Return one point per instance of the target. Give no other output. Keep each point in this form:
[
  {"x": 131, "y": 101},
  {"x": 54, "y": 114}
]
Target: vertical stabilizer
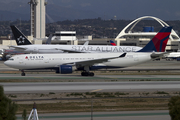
[
  {"x": 113, "y": 43},
  {"x": 19, "y": 36},
  {"x": 159, "y": 41}
]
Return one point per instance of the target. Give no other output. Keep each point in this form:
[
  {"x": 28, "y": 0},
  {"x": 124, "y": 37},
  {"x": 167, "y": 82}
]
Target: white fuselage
[
  {"x": 44, "y": 61},
  {"x": 78, "y": 48}
]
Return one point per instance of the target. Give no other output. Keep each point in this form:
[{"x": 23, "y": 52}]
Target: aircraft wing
[
  {"x": 17, "y": 47},
  {"x": 94, "y": 61}
]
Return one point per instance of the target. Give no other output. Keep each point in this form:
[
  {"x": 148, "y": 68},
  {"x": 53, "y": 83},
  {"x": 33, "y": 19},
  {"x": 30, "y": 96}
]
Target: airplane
[
  {"x": 68, "y": 62},
  {"x": 6, "y": 52},
  {"x": 24, "y": 45}
]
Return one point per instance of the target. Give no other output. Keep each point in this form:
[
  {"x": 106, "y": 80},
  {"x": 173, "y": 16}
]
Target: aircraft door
[{"x": 21, "y": 60}]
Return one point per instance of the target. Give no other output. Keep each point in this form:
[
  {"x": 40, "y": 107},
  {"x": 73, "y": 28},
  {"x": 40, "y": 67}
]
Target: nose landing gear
[{"x": 23, "y": 73}]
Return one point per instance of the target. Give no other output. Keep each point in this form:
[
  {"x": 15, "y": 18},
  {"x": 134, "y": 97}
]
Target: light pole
[{"x": 91, "y": 109}]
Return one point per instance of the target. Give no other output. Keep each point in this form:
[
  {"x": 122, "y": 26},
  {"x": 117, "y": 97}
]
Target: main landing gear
[
  {"x": 87, "y": 74},
  {"x": 23, "y": 73}
]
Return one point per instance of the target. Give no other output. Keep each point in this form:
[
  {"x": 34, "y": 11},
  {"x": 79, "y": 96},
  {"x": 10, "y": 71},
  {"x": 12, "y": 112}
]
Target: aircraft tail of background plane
[
  {"x": 159, "y": 41},
  {"x": 112, "y": 43},
  {"x": 49, "y": 39},
  {"x": 19, "y": 36}
]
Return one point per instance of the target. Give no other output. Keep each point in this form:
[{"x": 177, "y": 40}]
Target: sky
[
  {"x": 106, "y": 9},
  {"x": 126, "y": 9}
]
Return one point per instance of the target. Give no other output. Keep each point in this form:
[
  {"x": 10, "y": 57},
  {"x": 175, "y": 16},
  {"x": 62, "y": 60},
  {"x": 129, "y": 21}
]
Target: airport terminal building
[{"x": 127, "y": 37}]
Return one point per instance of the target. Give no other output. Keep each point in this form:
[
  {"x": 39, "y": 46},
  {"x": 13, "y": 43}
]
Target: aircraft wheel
[
  {"x": 91, "y": 74},
  {"x": 82, "y": 74},
  {"x": 86, "y": 73},
  {"x": 23, "y": 74}
]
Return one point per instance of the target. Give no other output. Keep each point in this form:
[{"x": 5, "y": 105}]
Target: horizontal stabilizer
[
  {"x": 155, "y": 55},
  {"x": 18, "y": 48}
]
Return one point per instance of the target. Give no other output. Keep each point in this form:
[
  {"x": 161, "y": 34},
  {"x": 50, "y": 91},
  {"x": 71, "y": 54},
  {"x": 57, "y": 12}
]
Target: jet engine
[{"x": 65, "y": 69}]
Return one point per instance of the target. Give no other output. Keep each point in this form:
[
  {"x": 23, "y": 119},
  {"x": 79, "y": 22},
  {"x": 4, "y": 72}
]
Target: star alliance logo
[{"x": 21, "y": 40}]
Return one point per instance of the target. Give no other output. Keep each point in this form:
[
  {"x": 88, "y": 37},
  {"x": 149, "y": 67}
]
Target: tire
[
  {"x": 23, "y": 74},
  {"x": 82, "y": 74},
  {"x": 86, "y": 73},
  {"x": 91, "y": 74}
]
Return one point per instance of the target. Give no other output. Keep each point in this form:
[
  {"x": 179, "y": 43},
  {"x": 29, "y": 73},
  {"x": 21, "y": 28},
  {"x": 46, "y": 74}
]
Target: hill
[{"x": 98, "y": 28}]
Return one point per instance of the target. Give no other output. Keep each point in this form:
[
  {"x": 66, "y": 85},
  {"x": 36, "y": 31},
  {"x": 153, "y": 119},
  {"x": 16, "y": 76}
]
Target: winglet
[
  {"x": 19, "y": 36},
  {"x": 159, "y": 41},
  {"x": 123, "y": 55}
]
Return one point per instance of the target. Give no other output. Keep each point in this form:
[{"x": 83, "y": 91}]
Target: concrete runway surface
[
  {"x": 80, "y": 83},
  {"x": 45, "y": 87},
  {"x": 162, "y": 82}
]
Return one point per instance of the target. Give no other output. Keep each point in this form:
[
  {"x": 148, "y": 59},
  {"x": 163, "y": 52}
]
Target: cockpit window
[{"x": 11, "y": 59}]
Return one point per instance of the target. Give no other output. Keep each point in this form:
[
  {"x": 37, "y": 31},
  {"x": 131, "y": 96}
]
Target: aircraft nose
[{"x": 7, "y": 63}]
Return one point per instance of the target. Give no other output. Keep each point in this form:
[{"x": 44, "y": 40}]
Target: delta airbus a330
[
  {"x": 24, "y": 45},
  {"x": 68, "y": 62}
]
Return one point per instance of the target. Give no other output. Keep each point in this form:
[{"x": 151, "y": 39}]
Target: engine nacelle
[{"x": 65, "y": 69}]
